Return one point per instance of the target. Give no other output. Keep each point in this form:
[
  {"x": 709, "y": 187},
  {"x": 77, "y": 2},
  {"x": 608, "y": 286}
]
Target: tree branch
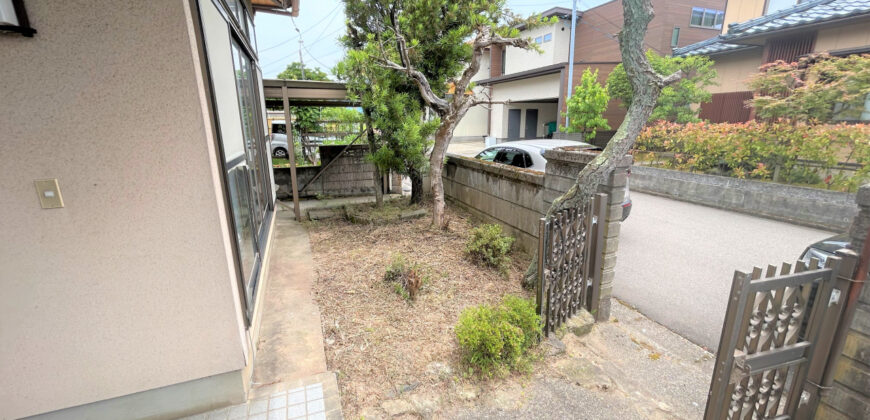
[
  {"x": 669, "y": 80},
  {"x": 484, "y": 39}
]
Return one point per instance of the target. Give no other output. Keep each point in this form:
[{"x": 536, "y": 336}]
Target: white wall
[
  {"x": 544, "y": 87},
  {"x": 128, "y": 287},
  {"x": 541, "y": 87},
  {"x": 554, "y": 51},
  {"x": 546, "y": 112},
  {"x": 562, "y": 41},
  {"x": 845, "y": 36},
  {"x": 484, "y": 71}
]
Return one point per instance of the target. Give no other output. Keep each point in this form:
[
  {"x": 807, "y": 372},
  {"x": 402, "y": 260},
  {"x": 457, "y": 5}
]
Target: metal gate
[
  {"x": 776, "y": 340},
  {"x": 568, "y": 255}
]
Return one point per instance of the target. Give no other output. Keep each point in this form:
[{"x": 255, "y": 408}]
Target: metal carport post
[{"x": 302, "y": 93}]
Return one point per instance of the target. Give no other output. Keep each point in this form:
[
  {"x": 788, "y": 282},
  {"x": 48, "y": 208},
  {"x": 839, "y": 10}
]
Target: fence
[
  {"x": 776, "y": 339},
  {"x": 568, "y": 257},
  {"x": 814, "y": 207},
  {"x": 517, "y": 198}
]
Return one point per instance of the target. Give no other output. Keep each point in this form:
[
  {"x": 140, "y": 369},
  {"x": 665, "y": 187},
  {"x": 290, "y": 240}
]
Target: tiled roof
[
  {"x": 709, "y": 47},
  {"x": 810, "y": 12}
]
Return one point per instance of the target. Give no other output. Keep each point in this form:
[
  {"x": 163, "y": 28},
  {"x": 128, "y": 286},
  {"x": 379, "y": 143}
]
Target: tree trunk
[
  {"x": 373, "y": 147},
  {"x": 436, "y": 164},
  {"x": 647, "y": 85},
  {"x": 416, "y": 186}
]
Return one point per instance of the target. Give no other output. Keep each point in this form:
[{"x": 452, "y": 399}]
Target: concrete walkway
[
  {"x": 466, "y": 148},
  {"x": 290, "y": 380},
  {"x": 290, "y": 346}
]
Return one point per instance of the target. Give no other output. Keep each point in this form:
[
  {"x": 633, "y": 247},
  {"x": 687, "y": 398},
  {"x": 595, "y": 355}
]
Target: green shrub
[
  {"x": 762, "y": 150},
  {"x": 488, "y": 246},
  {"x": 407, "y": 278},
  {"x": 494, "y": 340},
  {"x": 522, "y": 313}
]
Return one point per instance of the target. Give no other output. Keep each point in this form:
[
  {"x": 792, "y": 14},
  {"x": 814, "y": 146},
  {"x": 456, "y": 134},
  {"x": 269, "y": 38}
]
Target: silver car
[
  {"x": 528, "y": 154},
  {"x": 280, "y": 148}
]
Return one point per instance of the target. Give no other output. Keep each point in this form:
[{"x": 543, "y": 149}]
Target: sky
[{"x": 321, "y": 23}]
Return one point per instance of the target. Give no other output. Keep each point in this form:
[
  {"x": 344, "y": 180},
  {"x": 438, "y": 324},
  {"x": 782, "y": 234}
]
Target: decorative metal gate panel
[
  {"x": 772, "y": 339},
  {"x": 568, "y": 256}
]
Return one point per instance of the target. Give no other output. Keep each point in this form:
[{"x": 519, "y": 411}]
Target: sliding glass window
[{"x": 237, "y": 101}]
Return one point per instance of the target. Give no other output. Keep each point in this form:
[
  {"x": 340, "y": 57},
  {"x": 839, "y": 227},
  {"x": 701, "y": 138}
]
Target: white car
[
  {"x": 528, "y": 154},
  {"x": 279, "y": 140}
]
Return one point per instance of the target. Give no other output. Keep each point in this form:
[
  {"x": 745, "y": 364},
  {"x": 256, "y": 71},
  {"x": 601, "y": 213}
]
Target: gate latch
[{"x": 835, "y": 297}]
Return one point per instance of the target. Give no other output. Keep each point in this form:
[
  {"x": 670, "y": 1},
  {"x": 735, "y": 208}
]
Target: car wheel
[{"x": 280, "y": 153}]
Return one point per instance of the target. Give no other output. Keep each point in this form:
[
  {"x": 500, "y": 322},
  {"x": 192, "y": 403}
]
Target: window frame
[
  {"x": 704, "y": 13},
  {"x": 236, "y": 28},
  {"x": 548, "y": 37},
  {"x": 248, "y": 290},
  {"x": 503, "y": 59}
]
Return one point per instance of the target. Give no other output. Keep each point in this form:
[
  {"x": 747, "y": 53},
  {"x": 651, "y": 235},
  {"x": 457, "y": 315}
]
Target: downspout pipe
[{"x": 571, "y": 55}]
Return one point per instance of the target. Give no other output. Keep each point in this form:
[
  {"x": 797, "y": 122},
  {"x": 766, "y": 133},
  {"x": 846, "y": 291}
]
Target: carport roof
[{"x": 307, "y": 92}]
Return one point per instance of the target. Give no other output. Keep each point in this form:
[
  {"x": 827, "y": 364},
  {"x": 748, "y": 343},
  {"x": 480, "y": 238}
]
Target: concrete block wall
[
  {"x": 813, "y": 207},
  {"x": 563, "y": 166},
  {"x": 518, "y": 198},
  {"x": 849, "y": 397},
  {"x": 500, "y": 194},
  {"x": 350, "y": 175}
]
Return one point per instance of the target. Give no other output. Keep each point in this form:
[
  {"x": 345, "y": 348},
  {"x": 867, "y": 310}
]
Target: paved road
[{"x": 676, "y": 260}]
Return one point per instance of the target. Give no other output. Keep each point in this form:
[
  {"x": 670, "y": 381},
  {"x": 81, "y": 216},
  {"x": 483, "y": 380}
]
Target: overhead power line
[{"x": 331, "y": 13}]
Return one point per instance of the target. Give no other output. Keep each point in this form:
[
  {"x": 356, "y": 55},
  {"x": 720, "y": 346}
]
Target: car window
[
  {"x": 487, "y": 155},
  {"x": 513, "y": 157},
  {"x": 528, "y": 160},
  {"x": 279, "y": 129}
]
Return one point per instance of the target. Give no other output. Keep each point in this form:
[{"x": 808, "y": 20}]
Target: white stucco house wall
[
  {"x": 530, "y": 80},
  {"x": 138, "y": 297}
]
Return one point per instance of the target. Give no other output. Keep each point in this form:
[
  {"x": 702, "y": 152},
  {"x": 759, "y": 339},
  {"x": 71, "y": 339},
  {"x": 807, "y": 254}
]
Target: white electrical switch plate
[{"x": 49, "y": 193}]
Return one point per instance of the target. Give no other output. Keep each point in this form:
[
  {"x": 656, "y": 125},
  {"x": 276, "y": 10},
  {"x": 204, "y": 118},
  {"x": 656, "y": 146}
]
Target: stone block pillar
[
  {"x": 849, "y": 395},
  {"x": 562, "y": 169},
  {"x": 395, "y": 183}
]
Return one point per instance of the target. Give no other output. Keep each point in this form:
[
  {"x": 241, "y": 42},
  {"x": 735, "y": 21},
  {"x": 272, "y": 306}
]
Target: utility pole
[
  {"x": 571, "y": 54},
  {"x": 301, "y": 63},
  {"x": 299, "y": 33}
]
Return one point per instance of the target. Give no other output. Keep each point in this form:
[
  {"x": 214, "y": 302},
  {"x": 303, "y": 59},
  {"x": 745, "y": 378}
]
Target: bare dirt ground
[
  {"x": 400, "y": 360},
  {"x": 380, "y": 345}
]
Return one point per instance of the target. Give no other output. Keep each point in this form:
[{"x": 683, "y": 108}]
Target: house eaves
[
  {"x": 712, "y": 46},
  {"x": 278, "y": 7},
  {"x": 528, "y": 74},
  {"x": 563, "y": 13}
]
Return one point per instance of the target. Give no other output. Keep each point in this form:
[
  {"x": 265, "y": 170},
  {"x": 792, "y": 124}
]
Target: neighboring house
[
  {"x": 138, "y": 297},
  {"x": 775, "y": 30},
  {"x": 537, "y": 84}
]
